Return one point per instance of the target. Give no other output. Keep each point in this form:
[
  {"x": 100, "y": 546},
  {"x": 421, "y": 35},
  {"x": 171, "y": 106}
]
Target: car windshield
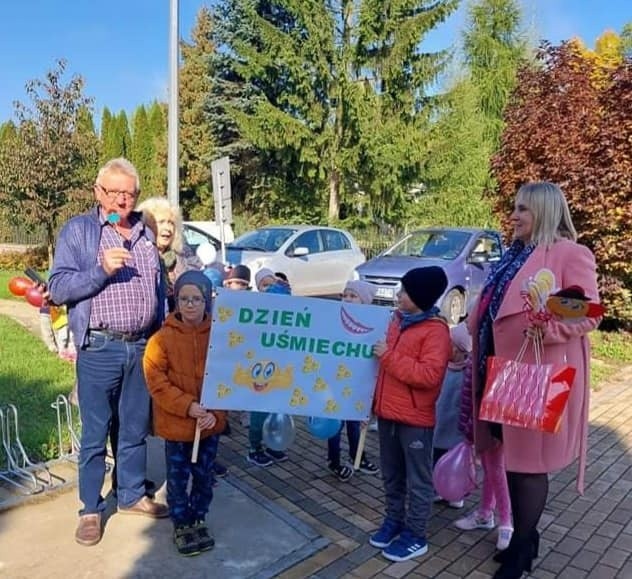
[
  {"x": 432, "y": 244},
  {"x": 266, "y": 239}
]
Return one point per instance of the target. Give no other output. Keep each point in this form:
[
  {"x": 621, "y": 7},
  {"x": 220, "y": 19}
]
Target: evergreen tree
[
  {"x": 156, "y": 182},
  {"x": 332, "y": 96},
  {"x": 494, "y": 47},
  {"x": 110, "y": 145},
  {"x": 123, "y": 134},
  {"x": 196, "y": 142},
  {"x": 143, "y": 149},
  {"x": 458, "y": 164}
]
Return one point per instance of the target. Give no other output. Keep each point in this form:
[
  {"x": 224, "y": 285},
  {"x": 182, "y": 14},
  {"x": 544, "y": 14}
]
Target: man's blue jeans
[{"x": 111, "y": 383}]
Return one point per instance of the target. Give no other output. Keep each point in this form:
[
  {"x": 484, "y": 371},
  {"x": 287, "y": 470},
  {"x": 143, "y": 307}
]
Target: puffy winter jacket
[
  {"x": 412, "y": 371},
  {"x": 174, "y": 363}
]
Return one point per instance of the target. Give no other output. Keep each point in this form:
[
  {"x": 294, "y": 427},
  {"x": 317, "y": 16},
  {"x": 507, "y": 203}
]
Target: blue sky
[{"x": 121, "y": 48}]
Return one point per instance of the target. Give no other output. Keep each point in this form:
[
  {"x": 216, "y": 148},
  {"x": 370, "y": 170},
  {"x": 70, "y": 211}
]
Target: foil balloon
[
  {"x": 278, "y": 431},
  {"x": 19, "y": 285},
  {"x": 454, "y": 475},
  {"x": 323, "y": 428}
]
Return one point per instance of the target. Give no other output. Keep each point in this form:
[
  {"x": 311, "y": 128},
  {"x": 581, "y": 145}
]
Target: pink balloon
[
  {"x": 34, "y": 297},
  {"x": 454, "y": 475}
]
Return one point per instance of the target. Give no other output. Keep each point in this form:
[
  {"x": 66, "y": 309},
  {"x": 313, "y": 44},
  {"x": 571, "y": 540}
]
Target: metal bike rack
[
  {"x": 65, "y": 422},
  {"x": 14, "y": 471}
]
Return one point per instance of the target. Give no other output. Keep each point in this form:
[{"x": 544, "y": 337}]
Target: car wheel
[{"x": 452, "y": 306}]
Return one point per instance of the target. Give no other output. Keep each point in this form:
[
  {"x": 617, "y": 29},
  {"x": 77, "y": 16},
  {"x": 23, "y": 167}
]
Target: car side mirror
[
  {"x": 478, "y": 258},
  {"x": 300, "y": 252}
]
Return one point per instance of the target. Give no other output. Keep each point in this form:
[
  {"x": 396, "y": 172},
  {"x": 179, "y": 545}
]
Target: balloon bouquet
[{"x": 29, "y": 290}]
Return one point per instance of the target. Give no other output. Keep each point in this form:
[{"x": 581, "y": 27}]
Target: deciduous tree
[
  {"x": 42, "y": 166},
  {"x": 563, "y": 127}
]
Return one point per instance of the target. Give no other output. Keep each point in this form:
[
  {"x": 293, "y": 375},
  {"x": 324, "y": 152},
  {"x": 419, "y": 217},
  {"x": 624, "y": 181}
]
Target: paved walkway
[{"x": 589, "y": 536}]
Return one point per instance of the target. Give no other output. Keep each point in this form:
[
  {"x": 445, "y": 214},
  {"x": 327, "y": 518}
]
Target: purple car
[{"x": 465, "y": 254}]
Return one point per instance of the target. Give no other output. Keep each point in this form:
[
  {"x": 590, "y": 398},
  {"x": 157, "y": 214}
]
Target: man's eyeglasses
[
  {"x": 193, "y": 301},
  {"x": 114, "y": 195}
]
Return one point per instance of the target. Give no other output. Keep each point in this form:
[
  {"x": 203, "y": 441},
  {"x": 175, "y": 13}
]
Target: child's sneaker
[
  {"x": 185, "y": 539},
  {"x": 259, "y": 458},
  {"x": 344, "y": 473},
  {"x": 475, "y": 521},
  {"x": 456, "y": 504},
  {"x": 204, "y": 539},
  {"x": 406, "y": 547},
  {"x": 276, "y": 455},
  {"x": 504, "y": 537},
  {"x": 366, "y": 466},
  {"x": 219, "y": 470},
  {"x": 373, "y": 425},
  {"x": 386, "y": 534}
]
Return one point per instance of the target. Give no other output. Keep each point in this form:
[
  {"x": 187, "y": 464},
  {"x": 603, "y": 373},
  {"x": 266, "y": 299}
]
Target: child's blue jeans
[
  {"x": 353, "y": 435},
  {"x": 186, "y": 508}
]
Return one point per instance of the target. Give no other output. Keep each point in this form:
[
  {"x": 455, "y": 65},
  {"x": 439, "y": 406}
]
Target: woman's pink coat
[{"x": 564, "y": 344}]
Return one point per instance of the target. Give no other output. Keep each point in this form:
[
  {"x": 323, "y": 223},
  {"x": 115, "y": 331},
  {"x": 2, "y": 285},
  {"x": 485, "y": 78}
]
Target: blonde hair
[
  {"x": 551, "y": 216},
  {"x": 156, "y": 207},
  {"x": 120, "y": 166}
]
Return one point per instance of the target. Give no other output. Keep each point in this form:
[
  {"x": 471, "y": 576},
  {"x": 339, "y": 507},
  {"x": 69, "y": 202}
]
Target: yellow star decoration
[
  {"x": 359, "y": 406},
  {"x": 310, "y": 364},
  {"x": 320, "y": 385},
  {"x": 298, "y": 398},
  {"x": 346, "y": 391},
  {"x": 224, "y": 314},
  {"x": 223, "y": 390},
  {"x": 234, "y": 339},
  {"x": 250, "y": 354},
  {"x": 343, "y": 372},
  {"x": 331, "y": 407}
]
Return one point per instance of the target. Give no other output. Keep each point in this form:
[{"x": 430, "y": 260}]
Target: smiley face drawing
[{"x": 264, "y": 376}]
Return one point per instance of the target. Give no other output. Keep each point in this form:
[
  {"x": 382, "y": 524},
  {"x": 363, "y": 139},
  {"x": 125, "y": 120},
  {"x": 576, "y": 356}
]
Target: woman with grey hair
[{"x": 166, "y": 222}]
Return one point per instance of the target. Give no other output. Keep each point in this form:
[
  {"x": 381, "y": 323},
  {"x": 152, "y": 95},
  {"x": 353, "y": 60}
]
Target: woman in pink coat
[{"x": 544, "y": 238}]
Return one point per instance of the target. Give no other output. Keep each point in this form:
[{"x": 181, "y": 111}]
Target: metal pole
[{"x": 173, "y": 185}]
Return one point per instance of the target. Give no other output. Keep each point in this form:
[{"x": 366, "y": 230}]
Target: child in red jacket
[{"x": 413, "y": 362}]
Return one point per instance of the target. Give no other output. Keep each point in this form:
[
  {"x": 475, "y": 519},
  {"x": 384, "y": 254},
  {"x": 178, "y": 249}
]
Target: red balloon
[
  {"x": 19, "y": 285},
  {"x": 34, "y": 297}
]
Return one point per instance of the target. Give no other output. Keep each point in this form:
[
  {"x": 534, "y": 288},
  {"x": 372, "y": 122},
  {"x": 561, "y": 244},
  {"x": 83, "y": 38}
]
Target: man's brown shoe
[
  {"x": 89, "y": 530},
  {"x": 147, "y": 508}
]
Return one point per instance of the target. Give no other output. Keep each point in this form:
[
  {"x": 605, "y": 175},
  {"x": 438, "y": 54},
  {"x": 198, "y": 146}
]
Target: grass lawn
[{"x": 31, "y": 377}]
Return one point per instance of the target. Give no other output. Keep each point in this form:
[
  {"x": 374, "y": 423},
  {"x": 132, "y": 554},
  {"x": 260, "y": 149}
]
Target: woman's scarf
[
  {"x": 406, "y": 319},
  {"x": 492, "y": 297}
]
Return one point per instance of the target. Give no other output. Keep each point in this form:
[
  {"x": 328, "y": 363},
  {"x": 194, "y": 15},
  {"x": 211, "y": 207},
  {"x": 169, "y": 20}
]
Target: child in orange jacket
[
  {"x": 413, "y": 362},
  {"x": 174, "y": 363}
]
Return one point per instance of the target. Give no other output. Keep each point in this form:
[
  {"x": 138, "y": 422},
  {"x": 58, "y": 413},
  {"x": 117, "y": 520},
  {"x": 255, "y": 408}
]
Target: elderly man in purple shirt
[{"x": 107, "y": 271}]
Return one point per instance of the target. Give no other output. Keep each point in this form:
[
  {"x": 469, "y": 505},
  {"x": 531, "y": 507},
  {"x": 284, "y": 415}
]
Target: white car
[{"x": 317, "y": 260}]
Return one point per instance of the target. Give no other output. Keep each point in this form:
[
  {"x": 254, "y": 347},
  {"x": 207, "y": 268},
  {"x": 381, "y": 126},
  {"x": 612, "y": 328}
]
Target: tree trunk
[
  {"x": 50, "y": 243},
  {"x": 334, "y": 196}
]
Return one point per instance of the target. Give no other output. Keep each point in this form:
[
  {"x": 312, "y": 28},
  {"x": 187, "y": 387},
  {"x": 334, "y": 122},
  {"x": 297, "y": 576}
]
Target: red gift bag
[{"x": 525, "y": 395}]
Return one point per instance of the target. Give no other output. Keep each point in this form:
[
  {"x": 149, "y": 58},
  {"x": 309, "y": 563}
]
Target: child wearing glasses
[{"x": 174, "y": 364}]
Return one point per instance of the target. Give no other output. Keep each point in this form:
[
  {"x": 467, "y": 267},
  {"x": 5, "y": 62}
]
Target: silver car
[{"x": 318, "y": 261}]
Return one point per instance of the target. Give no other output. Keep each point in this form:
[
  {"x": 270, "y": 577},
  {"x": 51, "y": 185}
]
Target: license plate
[{"x": 385, "y": 292}]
